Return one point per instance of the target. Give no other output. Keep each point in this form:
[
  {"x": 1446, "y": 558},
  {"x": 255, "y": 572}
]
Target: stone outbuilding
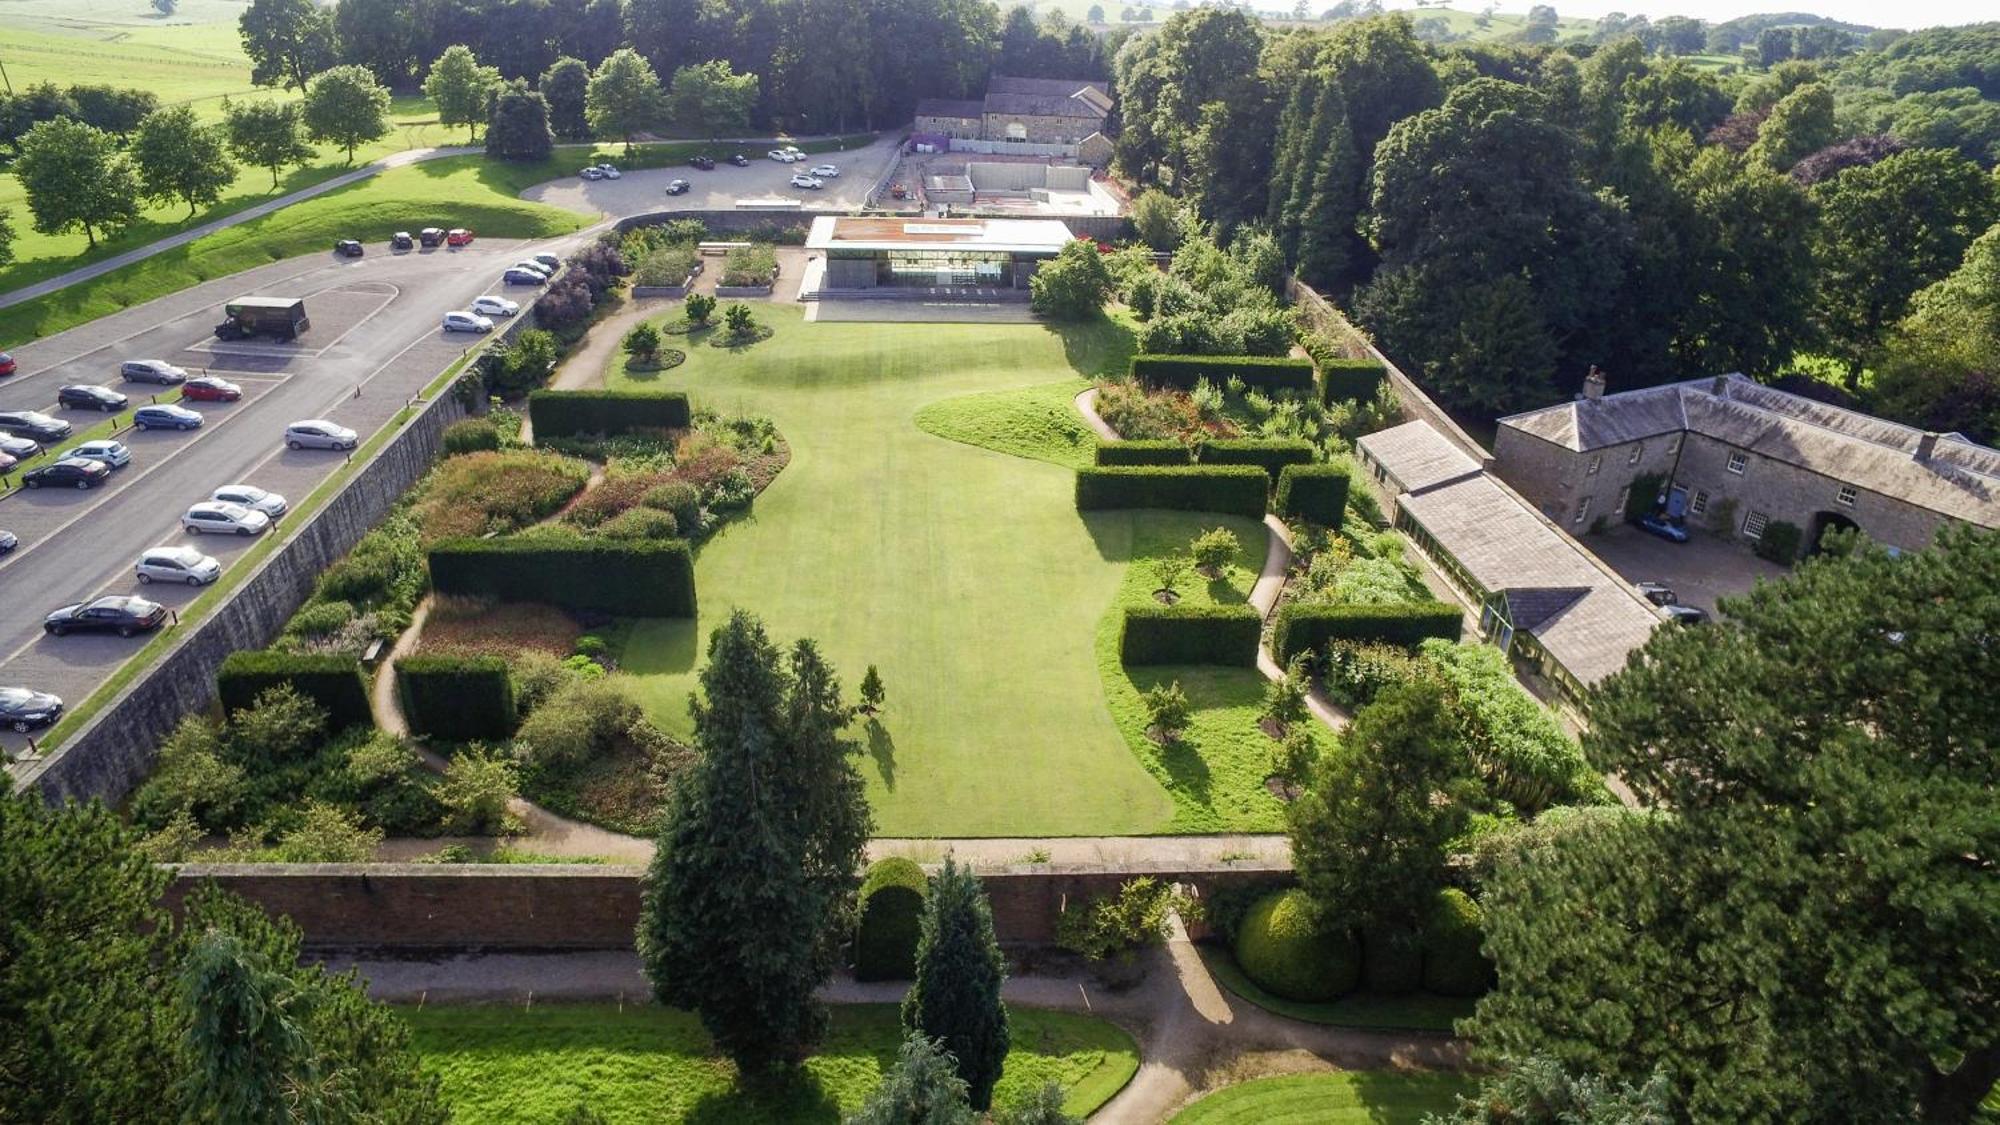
[{"x": 1043, "y": 111}]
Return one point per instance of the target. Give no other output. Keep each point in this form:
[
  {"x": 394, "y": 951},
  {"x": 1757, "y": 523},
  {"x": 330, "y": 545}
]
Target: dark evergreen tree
[
  {"x": 518, "y": 128},
  {"x": 564, "y": 86},
  {"x": 956, "y": 997}
]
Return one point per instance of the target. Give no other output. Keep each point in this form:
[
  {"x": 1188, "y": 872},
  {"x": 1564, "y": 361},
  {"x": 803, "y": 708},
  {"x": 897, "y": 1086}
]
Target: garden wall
[{"x": 518, "y": 906}]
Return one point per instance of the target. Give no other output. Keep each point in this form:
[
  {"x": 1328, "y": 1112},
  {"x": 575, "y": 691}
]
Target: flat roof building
[{"x": 866, "y": 253}]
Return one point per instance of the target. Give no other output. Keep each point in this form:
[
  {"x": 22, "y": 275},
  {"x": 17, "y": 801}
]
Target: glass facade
[{"x": 927, "y": 268}]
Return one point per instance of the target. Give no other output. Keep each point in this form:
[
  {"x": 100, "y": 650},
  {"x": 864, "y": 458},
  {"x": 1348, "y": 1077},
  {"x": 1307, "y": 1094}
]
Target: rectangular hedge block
[
  {"x": 1308, "y": 628},
  {"x": 568, "y": 413},
  {"x": 1258, "y": 372},
  {"x": 333, "y": 682},
  {"x": 457, "y": 698},
  {"x": 1143, "y": 453},
  {"x": 631, "y": 578},
  {"x": 1268, "y": 454},
  {"x": 1214, "y": 634},
  {"x": 1235, "y": 490},
  {"x": 1350, "y": 380},
  {"x": 1316, "y": 493}
]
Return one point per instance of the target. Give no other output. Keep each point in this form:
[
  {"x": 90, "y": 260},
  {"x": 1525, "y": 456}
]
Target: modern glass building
[{"x": 867, "y": 253}]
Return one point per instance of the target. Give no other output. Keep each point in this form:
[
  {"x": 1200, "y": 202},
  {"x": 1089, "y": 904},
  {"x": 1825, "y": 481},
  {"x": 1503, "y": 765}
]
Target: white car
[
  {"x": 608, "y": 172},
  {"x": 251, "y": 497},
  {"x": 804, "y": 181},
  {"x": 112, "y": 454},
  {"x": 826, "y": 171},
  {"x": 546, "y": 260},
  {"x": 178, "y": 564},
  {"x": 533, "y": 266},
  {"x": 318, "y": 433},
  {"x": 782, "y": 156},
  {"x": 211, "y": 517},
  {"x": 461, "y": 321},
  {"x": 794, "y": 151},
  {"x": 495, "y": 306}
]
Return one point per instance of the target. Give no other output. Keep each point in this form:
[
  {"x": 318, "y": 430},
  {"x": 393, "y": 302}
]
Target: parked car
[
  {"x": 781, "y": 156},
  {"x": 152, "y": 371},
  {"x": 519, "y": 276},
  {"x": 534, "y": 266},
  {"x": 7, "y": 366},
  {"x": 91, "y": 397},
  {"x": 431, "y": 236},
  {"x": 401, "y": 240},
  {"x": 348, "y": 248},
  {"x": 1664, "y": 528},
  {"x": 608, "y": 170},
  {"x": 1686, "y": 615},
  {"x": 318, "y": 433},
  {"x": 7, "y": 462},
  {"x": 591, "y": 173},
  {"x": 213, "y": 517},
  {"x": 495, "y": 306},
  {"x": 804, "y": 181},
  {"x": 461, "y": 321},
  {"x": 740, "y": 160},
  {"x": 33, "y": 424},
  {"x": 793, "y": 151},
  {"x": 106, "y": 452},
  {"x": 70, "y": 472},
  {"x": 183, "y": 565},
  {"x": 1658, "y": 593},
  {"x": 826, "y": 171},
  {"x": 703, "y": 162},
  {"x": 8, "y": 541},
  {"x": 116, "y": 614},
  {"x": 251, "y": 497},
  {"x": 166, "y": 418},
  {"x": 24, "y": 709},
  {"x": 678, "y": 187},
  {"x": 458, "y": 236},
  {"x": 549, "y": 262},
  {"x": 898, "y": 190},
  {"x": 208, "y": 388},
  {"x": 19, "y": 448}
]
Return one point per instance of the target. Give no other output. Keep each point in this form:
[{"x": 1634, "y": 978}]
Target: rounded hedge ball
[
  {"x": 1281, "y": 949},
  {"x": 1453, "y": 965},
  {"x": 888, "y": 919}
]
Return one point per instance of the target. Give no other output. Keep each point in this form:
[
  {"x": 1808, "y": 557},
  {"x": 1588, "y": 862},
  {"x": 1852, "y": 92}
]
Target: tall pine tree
[{"x": 956, "y": 997}]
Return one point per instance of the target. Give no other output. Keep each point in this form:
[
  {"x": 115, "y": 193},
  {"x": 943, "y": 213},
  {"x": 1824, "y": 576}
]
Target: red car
[
  {"x": 458, "y": 237},
  {"x": 6, "y": 364},
  {"x": 208, "y": 388}
]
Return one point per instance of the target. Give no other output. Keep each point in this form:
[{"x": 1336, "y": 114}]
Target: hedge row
[
  {"x": 1236, "y": 490},
  {"x": 1309, "y": 628},
  {"x": 1315, "y": 493},
  {"x": 1143, "y": 453},
  {"x": 333, "y": 682},
  {"x": 1273, "y": 455},
  {"x": 1350, "y": 380},
  {"x": 1258, "y": 372},
  {"x": 1279, "y": 947},
  {"x": 628, "y": 577},
  {"x": 1208, "y": 634},
  {"x": 568, "y": 413},
  {"x": 457, "y": 698},
  {"x": 889, "y": 913}
]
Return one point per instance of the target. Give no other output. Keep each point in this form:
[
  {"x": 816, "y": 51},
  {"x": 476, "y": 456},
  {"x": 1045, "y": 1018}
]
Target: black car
[
  {"x": 740, "y": 160},
  {"x": 518, "y": 276},
  {"x": 33, "y": 424},
  {"x": 348, "y": 248},
  {"x": 705, "y": 163},
  {"x": 19, "y": 448},
  {"x": 677, "y": 187},
  {"x": 24, "y": 710},
  {"x": 401, "y": 240},
  {"x": 117, "y": 614},
  {"x": 431, "y": 236},
  {"x": 1686, "y": 614},
  {"x": 70, "y": 472},
  {"x": 91, "y": 398}
]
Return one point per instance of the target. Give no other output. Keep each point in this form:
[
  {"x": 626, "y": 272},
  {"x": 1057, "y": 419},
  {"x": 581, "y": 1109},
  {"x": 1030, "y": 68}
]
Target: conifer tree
[{"x": 956, "y": 997}]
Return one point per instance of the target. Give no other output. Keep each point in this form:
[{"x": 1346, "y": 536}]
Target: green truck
[{"x": 282, "y": 318}]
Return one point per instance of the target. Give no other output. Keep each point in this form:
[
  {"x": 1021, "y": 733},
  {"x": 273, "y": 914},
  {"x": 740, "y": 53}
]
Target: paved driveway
[
  {"x": 1700, "y": 570},
  {"x": 644, "y": 191}
]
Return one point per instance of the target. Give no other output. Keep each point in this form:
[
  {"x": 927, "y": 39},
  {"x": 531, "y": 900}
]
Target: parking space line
[{"x": 256, "y": 351}]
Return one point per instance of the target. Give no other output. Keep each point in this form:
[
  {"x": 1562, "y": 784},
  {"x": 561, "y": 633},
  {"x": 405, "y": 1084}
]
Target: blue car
[
  {"x": 1662, "y": 527},
  {"x": 166, "y": 418}
]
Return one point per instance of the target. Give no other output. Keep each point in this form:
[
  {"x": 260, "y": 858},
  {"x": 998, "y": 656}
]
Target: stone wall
[
  {"x": 506, "y": 906},
  {"x": 1042, "y": 129},
  {"x": 1558, "y": 480}
]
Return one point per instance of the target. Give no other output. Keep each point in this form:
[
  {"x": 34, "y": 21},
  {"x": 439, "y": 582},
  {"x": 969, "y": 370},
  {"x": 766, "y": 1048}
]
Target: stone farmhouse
[
  {"x": 1046, "y": 111},
  {"x": 1737, "y": 458}
]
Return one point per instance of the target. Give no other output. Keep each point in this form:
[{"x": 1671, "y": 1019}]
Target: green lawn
[
  {"x": 643, "y": 1063},
  {"x": 1348, "y": 1097},
  {"x": 1414, "y": 1012},
  {"x": 965, "y": 574}
]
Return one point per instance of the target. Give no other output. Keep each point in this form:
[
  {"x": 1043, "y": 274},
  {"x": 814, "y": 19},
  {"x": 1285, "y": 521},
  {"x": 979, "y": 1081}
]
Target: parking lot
[
  {"x": 1699, "y": 571},
  {"x": 640, "y": 192}
]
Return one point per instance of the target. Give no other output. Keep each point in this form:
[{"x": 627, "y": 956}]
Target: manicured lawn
[
  {"x": 1348, "y": 1097},
  {"x": 965, "y": 574},
  {"x": 1038, "y": 422},
  {"x": 645, "y": 1063},
  {"x": 1414, "y": 1012}
]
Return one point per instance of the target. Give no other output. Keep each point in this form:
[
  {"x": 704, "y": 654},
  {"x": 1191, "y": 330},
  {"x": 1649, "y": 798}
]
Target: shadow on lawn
[
  {"x": 780, "y": 1096},
  {"x": 882, "y": 748},
  {"x": 1097, "y": 347}
]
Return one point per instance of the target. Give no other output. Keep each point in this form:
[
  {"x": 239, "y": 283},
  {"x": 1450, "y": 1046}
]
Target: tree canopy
[{"x": 345, "y": 106}]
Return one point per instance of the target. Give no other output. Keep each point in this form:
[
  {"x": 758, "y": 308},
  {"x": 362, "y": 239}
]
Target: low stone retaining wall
[
  {"x": 743, "y": 290},
  {"x": 676, "y": 292},
  {"x": 575, "y": 906}
]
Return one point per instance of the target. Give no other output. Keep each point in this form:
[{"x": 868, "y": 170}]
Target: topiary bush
[
  {"x": 1453, "y": 965},
  {"x": 457, "y": 698},
  {"x": 1392, "y": 961},
  {"x": 1237, "y": 490},
  {"x": 888, "y": 916},
  {"x": 1285, "y": 953},
  {"x": 1349, "y": 380},
  {"x": 567, "y": 413},
  {"x": 332, "y": 682},
  {"x": 630, "y": 577},
  {"x": 1216, "y": 634},
  {"x": 1316, "y": 493},
  {"x": 470, "y": 435}
]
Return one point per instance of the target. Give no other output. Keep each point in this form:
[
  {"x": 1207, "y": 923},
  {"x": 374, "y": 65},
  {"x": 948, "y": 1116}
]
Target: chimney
[
  {"x": 1927, "y": 445},
  {"x": 1593, "y": 384},
  {"x": 1721, "y": 387}
]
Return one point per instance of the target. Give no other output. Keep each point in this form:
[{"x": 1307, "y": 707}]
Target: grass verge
[
  {"x": 1418, "y": 1011},
  {"x": 1347, "y": 1097}
]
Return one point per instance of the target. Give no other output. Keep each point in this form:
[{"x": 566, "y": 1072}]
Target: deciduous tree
[
  {"x": 288, "y": 41},
  {"x": 346, "y": 106},
  {"x": 267, "y": 135},
  {"x": 565, "y": 85},
  {"x": 1073, "y": 286},
  {"x": 709, "y": 99},
  {"x": 519, "y": 127},
  {"x": 180, "y": 158},
  {"x": 461, "y": 87},
  {"x": 76, "y": 179},
  {"x": 623, "y": 97}
]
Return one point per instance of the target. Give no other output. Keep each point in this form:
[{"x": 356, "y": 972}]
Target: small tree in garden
[
  {"x": 1167, "y": 711},
  {"x": 698, "y": 307},
  {"x": 922, "y": 1089},
  {"x": 1214, "y": 549},
  {"x": 1170, "y": 572},
  {"x": 740, "y": 324},
  {"x": 1074, "y": 286},
  {"x": 1043, "y": 1107},
  {"x": 872, "y": 694},
  {"x": 643, "y": 343},
  {"x": 1293, "y": 760},
  {"x": 956, "y": 996},
  {"x": 1285, "y": 699}
]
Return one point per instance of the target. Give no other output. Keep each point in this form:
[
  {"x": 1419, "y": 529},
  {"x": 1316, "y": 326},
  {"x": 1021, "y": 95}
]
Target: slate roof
[
  {"x": 1418, "y": 456},
  {"x": 1047, "y": 97},
  {"x": 950, "y": 107},
  {"x": 1959, "y": 478}
]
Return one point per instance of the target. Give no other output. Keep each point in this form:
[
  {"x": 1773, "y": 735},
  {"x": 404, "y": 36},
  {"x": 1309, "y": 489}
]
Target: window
[
  {"x": 1753, "y": 525},
  {"x": 1737, "y": 463},
  {"x": 1847, "y": 495},
  {"x": 1638, "y": 451},
  {"x": 1596, "y": 463},
  {"x": 1699, "y": 504},
  {"x": 1582, "y": 510},
  {"x": 1623, "y": 496}
]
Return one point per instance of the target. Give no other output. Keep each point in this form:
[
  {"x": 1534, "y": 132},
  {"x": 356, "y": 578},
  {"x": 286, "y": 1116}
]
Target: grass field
[
  {"x": 1414, "y": 1012},
  {"x": 642, "y": 1063},
  {"x": 1348, "y": 1097}
]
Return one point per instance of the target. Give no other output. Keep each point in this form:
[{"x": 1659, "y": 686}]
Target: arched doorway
[
  {"x": 1824, "y": 522},
  {"x": 1016, "y": 131}
]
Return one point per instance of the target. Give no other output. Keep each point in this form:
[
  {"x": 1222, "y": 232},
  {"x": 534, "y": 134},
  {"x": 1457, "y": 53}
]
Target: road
[{"x": 374, "y": 343}]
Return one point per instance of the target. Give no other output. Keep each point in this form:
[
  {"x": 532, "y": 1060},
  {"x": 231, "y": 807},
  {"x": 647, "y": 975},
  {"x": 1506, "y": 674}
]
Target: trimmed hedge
[
  {"x": 1453, "y": 965},
  {"x": 1309, "y": 628},
  {"x": 1316, "y": 493},
  {"x": 333, "y": 682},
  {"x": 568, "y": 413},
  {"x": 470, "y": 435},
  {"x": 1191, "y": 634},
  {"x": 1235, "y": 490},
  {"x": 1143, "y": 453},
  {"x": 1273, "y": 455},
  {"x": 1281, "y": 949},
  {"x": 1350, "y": 380},
  {"x": 1258, "y": 372},
  {"x": 457, "y": 698},
  {"x": 1392, "y": 961},
  {"x": 889, "y": 915},
  {"x": 628, "y": 577}
]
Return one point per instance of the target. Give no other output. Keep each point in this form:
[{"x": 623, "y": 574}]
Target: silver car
[
  {"x": 251, "y": 497},
  {"x": 112, "y": 454},
  {"x": 183, "y": 565},
  {"x": 212, "y": 518},
  {"x": 152, "y": 371},
  {"x": 318, "y": 433}
]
